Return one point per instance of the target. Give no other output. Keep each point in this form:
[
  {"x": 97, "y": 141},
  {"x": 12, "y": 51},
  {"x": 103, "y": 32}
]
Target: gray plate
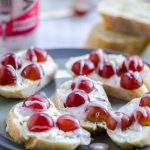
[{"x": 61, "y": 55}]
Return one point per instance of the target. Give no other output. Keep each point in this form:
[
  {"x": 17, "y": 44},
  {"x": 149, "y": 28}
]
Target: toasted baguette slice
[
  {"x": 100, "y": 37},
  {"x": 112, "y": 85},
  {"x": 52, "y": 139},
  {"x": 136, "y": 135},
  {"x": 97, "y": 98},
  {"x": 26, "y": 87},
  {"x": 129, "y": 16}
]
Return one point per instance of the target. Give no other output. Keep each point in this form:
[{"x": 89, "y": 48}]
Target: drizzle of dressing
[
  {"x": 29, "y": 103},
  {"x": 135, "y": 63},
  {"x": 101, "y": 55},
  {"x": 78, "y": 80},
  {"x": 146, "y": 95},
  {"x": 136, "y": 126},
  {"x": 81, "y": 66},
  {"x": 34, "y": 58},
  {"x": 41, "y": 70},
  {"x": 136, "y": 75}
]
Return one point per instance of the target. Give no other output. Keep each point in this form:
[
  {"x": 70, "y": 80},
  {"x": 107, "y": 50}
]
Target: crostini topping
[
  {"x": 133, "y": 63},
  {"x": 11, "y": 59},
  {"x": 131, "y": 80},
  {"x": 33, "y": 72},
  {"x": 83, "y": 67},
  {"x": 96, "y": 113},
  {"x": 145, "y": 100},
  {"x": 83, "y": 83},
  {"x": 118, "y": 120},
  {"x": 8, "y": 75},
  {"x": 76, "y": 98},
  {"x": 108, "y": 69},
  {"x": 40, "y": 122},
  {"x": 98, "y": 56},
  {"x": 67, "y": 123},
  {"x": 142, "y": 115},
  {"x": 36, "y": 55},
  {"x": 36, "y": 102}
]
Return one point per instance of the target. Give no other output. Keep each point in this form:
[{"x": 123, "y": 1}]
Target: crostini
[
  {"x": 129, "y": 127},
  {"x": 26, "y": 72},
  {"x": 86, "y": 99},
  {"x": 37, "y": 124}
]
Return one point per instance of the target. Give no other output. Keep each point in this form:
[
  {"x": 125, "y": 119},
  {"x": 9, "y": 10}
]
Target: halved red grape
[
  {"x": 118, "y": 120},
  {"x": 98, "y": 56},
  {"x": 11, "y": 59},
  {"x": 83, "y": 67},
  {"x": 67, "y": 123},
  {"x": 108, "y": 69},
  {"x": 33, "y": 72},
  {"x": 83, "y": 83},
  {"x": 36, "y": 55},
  {"x": 145, "y": 100},
  {"x": 131, "y": 80},
  {"x": 133, "y": 63},
  {"x": 96, "y": 113},
  {"x": 36, "y": 102},
  {"x": 40, "y": 122},
  {"x": 76, "y": 98},
  {"x": 8, "y": 75},
  {"x": 143, "y": 115}
]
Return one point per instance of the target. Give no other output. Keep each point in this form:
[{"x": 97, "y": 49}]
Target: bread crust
[
  {"x": 33, "y": 142},
  {"x": 13, "y": 127},
  {"x": 124, "y": 94},
  {"x": 101, "y": 37}
]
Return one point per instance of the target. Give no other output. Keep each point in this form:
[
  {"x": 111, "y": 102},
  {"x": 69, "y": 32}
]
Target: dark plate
[{"x": 61, "y": 56}]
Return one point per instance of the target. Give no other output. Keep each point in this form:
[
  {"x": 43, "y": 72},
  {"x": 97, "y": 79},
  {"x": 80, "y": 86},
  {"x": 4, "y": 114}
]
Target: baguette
[
  {"x": 134, "y": 136},
  {"x": 54, "y": 138},
  {"x": 112, "y": 85},
  {"x": 130, "y": 16},
  {"x": 100, "y": 37},
  {"x": 97, "y": 98},
  {"x": 26, "y": 87}
]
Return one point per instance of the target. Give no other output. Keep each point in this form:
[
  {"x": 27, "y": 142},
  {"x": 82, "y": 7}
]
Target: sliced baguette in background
[
  {"x": 126, "y": 16},
  {"x": 100, "y": 37}
]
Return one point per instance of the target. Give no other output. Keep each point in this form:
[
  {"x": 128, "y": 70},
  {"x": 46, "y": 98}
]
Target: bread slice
[
  {"x": 112, "y": 85},
  {"x": 97, "y": 98},
  {"x": 100, "y": 37},
  {"x": 129, "y": 16},
  {"x": 136, "y": 135},
  {"x": 25, "y": 87},
  {"x": 53, "y": 139}
]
